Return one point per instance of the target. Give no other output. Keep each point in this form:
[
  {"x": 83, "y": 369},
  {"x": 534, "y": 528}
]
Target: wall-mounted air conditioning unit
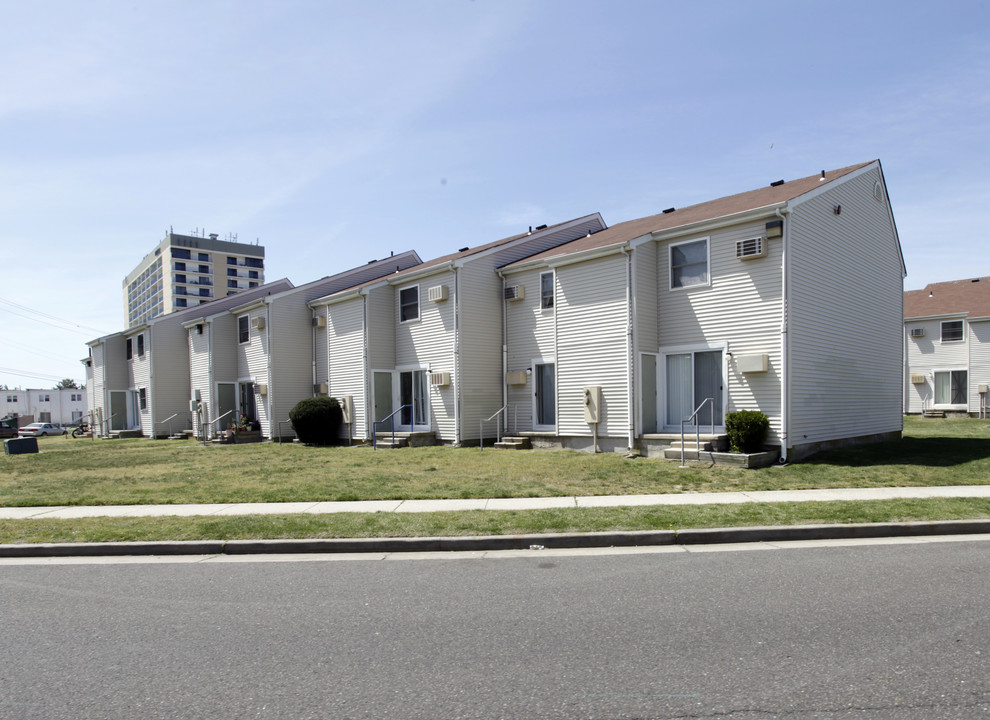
[
  {"x": 917, "y": 332},
  {"x": 515, "y": 377},
  {"x": 440, "y": 379},
  {"x": 438, "y": 293},
  {"x": 262, "y": 389},
  {"x": 258, "y": 323},
  {"x": 751, "y": 249},
  {"x": 917, "y": 378},
  {"x": 515, "y": 292},
  {"x": 321, "y": 389},
  {"x": 319, "y": 321}
]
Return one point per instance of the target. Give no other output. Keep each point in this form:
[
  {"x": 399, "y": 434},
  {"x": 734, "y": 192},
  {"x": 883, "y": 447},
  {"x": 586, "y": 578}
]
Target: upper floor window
[
  {"x": 689, "y": 264},
  {"x": 232, "y": 283},
  {"x": 546, "y": 290},
  {"x": 952, "y": 330},
  {"x": 44, "y": 398},
  {"x": 204, "y": 269},
  {"x": 231, "y": 272},
  {"x": 143, "y": 398},
  {"x": 203, "y": 257},
  {"x": 252, "y": 284},
  {"x": 180, "y": 278},
  {"x": 181, "y": 254},
  {"x": 409, "y": 303},
  {"x": 243, "y": 329},
  {"x": 180, "y": 302},
  {"x": 128, "y": 352},
  {"x": 254, "y": 262},
  {"x": 140, "y": 345},
  {"x": 231, "y": 260},
  {"x": 180, "y": 266},
  {"x": 253, "y": 274},
  {"x": 11, "y": 398}
]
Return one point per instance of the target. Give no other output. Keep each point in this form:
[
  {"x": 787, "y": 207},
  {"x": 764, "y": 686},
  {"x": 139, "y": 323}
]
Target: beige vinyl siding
[
  {"x": 226, "y": 352},
  {"x": 979, "y": 362},
  {"x": 428, "y": 342},
  {"x": 592, "y": 317},
  {"x": 646, "y": 294},
  {"x": 291, "y": 377},
  {"x": 845, "y": 315},
  {"x": 321, "y": 341},
  {"x": 199, "y": 371},
  {"x": 346, "y": 369},
  {"x": 740, "y": 310},
  {"x": 169, "y": 388},
  {"x": 96, "y": 392},
  {"x": 480, "y": 379},
  {"x": 382, "y": 321},
  {"x": 253, "y": 362},
  {"x": 530, "y": 335}
]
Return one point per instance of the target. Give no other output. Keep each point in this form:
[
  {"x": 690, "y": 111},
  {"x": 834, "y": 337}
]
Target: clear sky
[{"x": 336, "y": 132}]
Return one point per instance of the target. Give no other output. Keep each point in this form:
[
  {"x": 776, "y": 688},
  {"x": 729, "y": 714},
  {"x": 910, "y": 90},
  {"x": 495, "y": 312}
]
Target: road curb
[{"x": 640, "y": 538}]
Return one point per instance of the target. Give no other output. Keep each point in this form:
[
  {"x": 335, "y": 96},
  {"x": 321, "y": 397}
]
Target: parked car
[{"x": 36, "y": 429}]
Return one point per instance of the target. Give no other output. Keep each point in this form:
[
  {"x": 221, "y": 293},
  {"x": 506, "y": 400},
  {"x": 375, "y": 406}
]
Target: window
[
  {"x": 181, "y": 291},
  {"x": 231, "y": 260},
  {"x": 952, "y": 330},
  {"x": 254, "y": 262},
  {"x": 546, "y": 290},
  {"x": 180, "y": 266},
  {"x": 181, "y": 254},
  {"x": 204, "y": 269},
  {"x": 243, "y": 329},
  {"x": 690, "y": 378},
  {"x": 689, "y": 264},
  {"x": 231, "y": 272},
  {"x": 203, "y": 257},
  {"x": 143, "y": 398},
  {"x": 44, "y": 398},
  {"x": 232, "y": 283},
  {"x": 409, "y": 303},
  {"x": 253, "y": 274},
  {"x": 180, "y": 302},
  {"x": 204, "y": 292},
  {"x": 252, "y": 284},
  {"x": 545, "y": 395},
  {"x": 180, "y": 278},
  {"x": 950, "y": 387},
  {"x": 128, "y": 353},
  {"x": 140, "y": 345}
]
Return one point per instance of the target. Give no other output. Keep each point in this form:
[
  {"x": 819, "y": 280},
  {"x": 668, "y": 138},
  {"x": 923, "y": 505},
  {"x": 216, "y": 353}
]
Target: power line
[
  {"x": 37, "y": 376},
  {"x": 75, "y": 327}
]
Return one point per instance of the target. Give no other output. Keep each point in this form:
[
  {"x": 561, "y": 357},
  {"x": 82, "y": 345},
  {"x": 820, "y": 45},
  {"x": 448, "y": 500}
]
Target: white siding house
[
  {"x": 430, "y": 339},
  {"x": 947, "y": 347},
  {"x": 785, "y": 299}
]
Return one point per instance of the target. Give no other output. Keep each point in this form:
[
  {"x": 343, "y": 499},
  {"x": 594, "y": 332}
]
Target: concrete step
[
  {"x": 514, "y": 443},
  {"x": 690, "y": 445}
]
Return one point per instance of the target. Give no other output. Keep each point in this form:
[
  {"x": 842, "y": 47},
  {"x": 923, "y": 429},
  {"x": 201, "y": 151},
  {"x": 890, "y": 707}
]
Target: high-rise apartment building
[{"x": 185, "y": 270}]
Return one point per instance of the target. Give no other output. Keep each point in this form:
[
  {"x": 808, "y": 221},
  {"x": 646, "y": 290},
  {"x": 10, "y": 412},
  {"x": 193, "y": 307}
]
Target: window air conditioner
[
  {"x": 917, "y": 378},
  {"x": 440, "y": 379},
  {"x": 917, "y": 332},
  {"x": 438, "y": 293},
  {"x": 320, "y": 389},
  {"x": 515, "y": 292},
  {"x": 319, "y": 321},
  {"x": 258, "y": 323},
  {"x": 751, "y": 248}
]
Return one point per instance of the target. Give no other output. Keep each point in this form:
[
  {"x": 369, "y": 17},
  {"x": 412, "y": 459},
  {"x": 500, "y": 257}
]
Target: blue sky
[{"x": 336, "y": 132}]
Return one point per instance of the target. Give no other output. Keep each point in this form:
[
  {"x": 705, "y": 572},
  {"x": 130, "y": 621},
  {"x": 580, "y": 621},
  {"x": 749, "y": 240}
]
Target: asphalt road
[{"x": 894, "y": 631}]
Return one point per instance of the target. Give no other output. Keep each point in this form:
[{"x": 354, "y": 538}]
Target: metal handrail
[
  {"x": 213, "y": 422},
  {"x": 498, "y": 428},
  {"x": 697, "y": 428},
  {"x": 105, "y": 425},
  {"x": 374, "y": 426},
  {"x": 154, "y": 433}
]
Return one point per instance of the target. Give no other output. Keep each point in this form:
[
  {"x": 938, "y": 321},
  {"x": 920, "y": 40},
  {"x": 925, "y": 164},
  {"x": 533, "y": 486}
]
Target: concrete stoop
[
  {"x": 511, "y": 442},
  {"x": 746, "y": 460},
  {"x": 405, "y": 439}
]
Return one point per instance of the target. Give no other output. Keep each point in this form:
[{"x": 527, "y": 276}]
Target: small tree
[
  {"x": 747, "y": 429},
  {"x": 317, "y": 421},
  {"x": 67, "y": 384}
]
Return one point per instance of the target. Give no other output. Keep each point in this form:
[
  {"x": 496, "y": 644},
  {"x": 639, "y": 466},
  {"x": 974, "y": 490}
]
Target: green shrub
[
  {"x": 747, "y": 429},
  {"x": 317, "y": 421}
]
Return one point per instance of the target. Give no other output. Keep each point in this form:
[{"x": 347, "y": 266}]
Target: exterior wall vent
[
  {"x": 262, "y": 389},
  {"x": 515, "y": 292},
  {"x": 917, "y": 332},
  {"x": 321, "y": 389},
  {"x": 440, "y": 379},
  {"x": 438, "y": 293},
  {"x": 319, "y": 321},
  {"x": 258, "y": 323},
  {"x": 878, "y": 191},
  {"x": 751, "y": 248}
]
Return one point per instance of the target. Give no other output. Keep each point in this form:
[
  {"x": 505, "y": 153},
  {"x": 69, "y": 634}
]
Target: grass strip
[{"x": 480, "y": 522}]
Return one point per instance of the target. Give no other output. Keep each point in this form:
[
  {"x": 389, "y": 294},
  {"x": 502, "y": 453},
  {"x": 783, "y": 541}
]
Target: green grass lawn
[
  {"x": 120, "y": 472},
  {"x": 124, "y": 472}
]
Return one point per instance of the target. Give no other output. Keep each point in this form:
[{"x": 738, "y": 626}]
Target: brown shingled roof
[
  {"x": 949, "y": 298},
  {"x": 753, "y": 199}
]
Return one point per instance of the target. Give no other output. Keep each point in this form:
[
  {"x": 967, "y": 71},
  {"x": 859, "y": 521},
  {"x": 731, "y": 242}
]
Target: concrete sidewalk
[{"x": 422, "y": 506}]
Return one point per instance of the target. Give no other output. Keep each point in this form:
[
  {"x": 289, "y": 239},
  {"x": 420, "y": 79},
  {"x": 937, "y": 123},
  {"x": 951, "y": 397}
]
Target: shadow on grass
[{"x": 930, "y": 452}]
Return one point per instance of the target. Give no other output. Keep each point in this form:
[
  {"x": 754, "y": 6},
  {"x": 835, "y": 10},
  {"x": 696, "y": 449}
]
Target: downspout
[
  {"x": 369, "y": 400},
  {"x": 785, "y": 420},
  {"x": 313, "y": 341},
  {"x": 211, "y": 391},
  {"x": 630, "y": 347},
  {"x": 151, "y": 386},
  {"x": 269, "y": 376},
  {"x": 505, "y": 359}
]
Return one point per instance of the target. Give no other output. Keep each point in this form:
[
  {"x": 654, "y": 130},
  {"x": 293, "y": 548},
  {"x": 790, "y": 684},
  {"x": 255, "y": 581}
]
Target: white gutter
[
  {"x": 212, "y": 407},
  {"x": 369, "y": 401},
  {"x": 505, "y": 357},
  {"x": 151, "y": 385},
  {"x": 458, "y": 434},
  {"x": 630, "y": 350},
  {"x": 269, "y": 372},
  {"x": 785, "y": 420}
]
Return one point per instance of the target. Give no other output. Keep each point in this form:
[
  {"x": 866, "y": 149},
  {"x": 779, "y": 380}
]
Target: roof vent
[
  {"x": 541, "y": 227},
  {"x": 464, "y": 249},
  {"x": 777, "y": 183},
  {"x": 668, "y": 211}
]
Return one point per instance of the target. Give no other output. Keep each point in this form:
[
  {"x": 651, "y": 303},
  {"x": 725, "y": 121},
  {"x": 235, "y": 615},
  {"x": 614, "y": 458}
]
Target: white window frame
[
  {"x": 950, "y": 406},
  {"x": 708, "y": 263},
  {"x": 662, "y": 420},
  {"x": 247, "y": 322},
  {"x": 962, "y": 331},
  {"x": 553, "y": 291},
  {"x": 402, "y": 320}
]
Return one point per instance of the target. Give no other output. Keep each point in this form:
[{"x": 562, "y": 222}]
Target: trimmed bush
[
  {"x": 317, "y": 421},
  {"x": 747, "y": 429}
]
